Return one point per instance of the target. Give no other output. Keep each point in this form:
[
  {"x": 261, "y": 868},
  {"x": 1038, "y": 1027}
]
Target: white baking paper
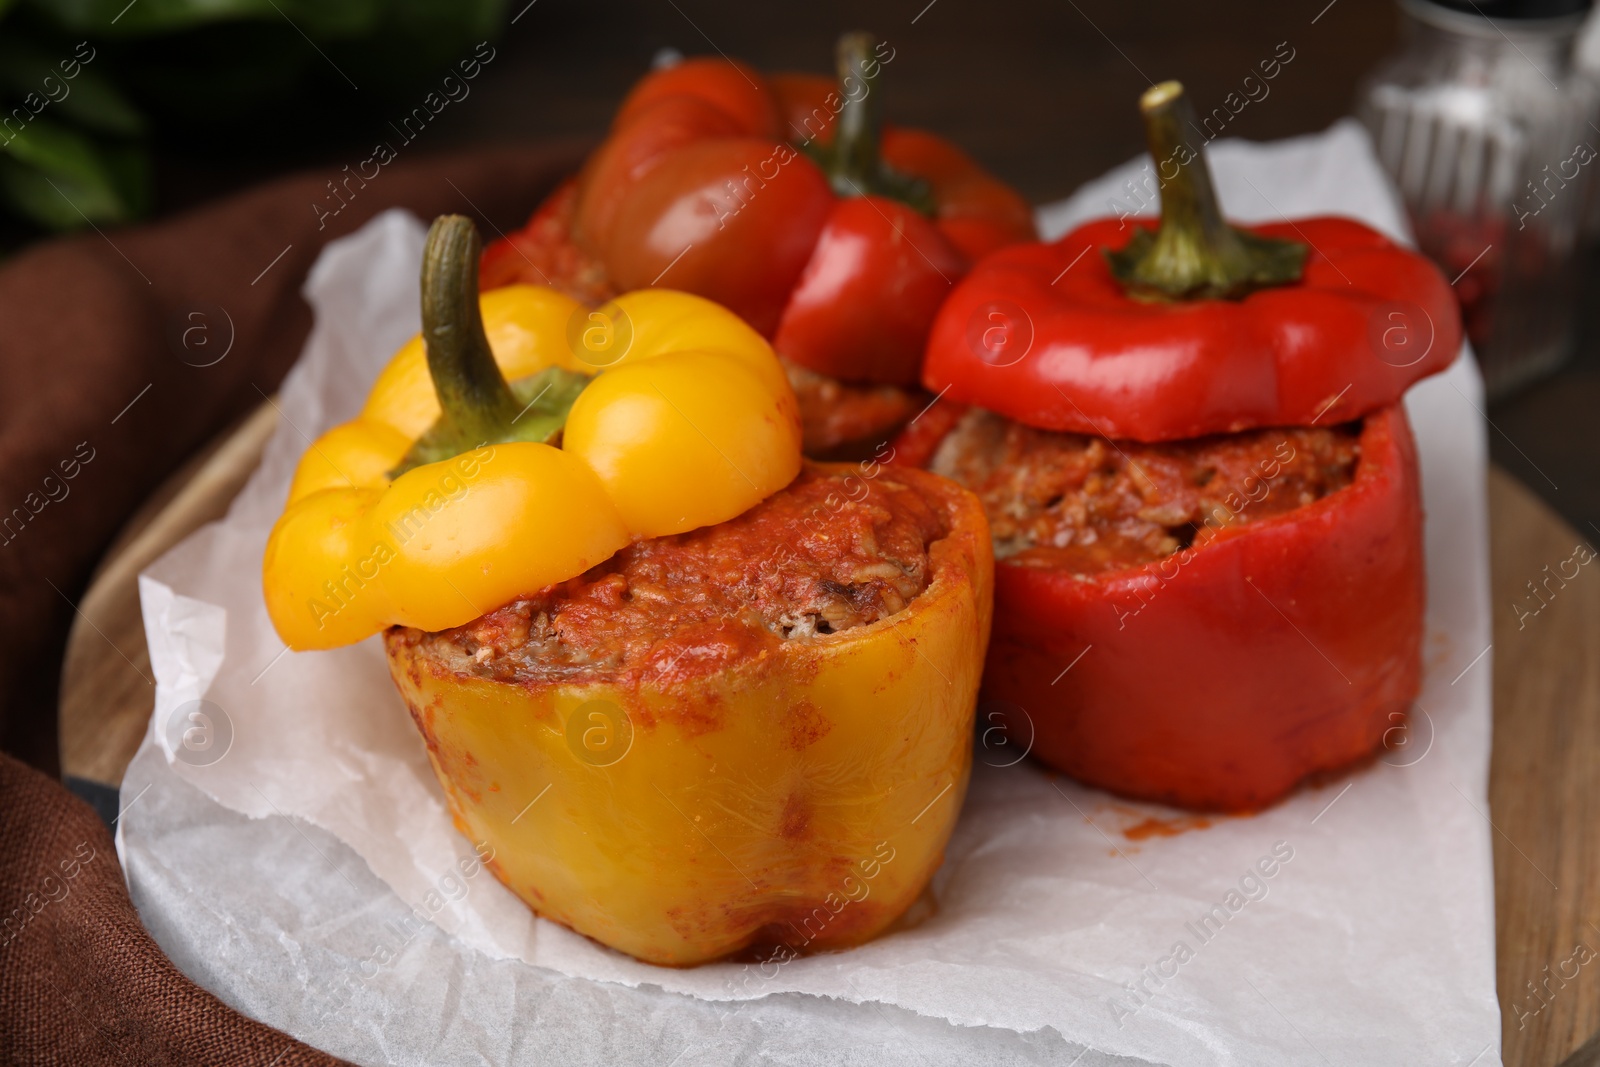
[{"x": 1052, "y": 933}]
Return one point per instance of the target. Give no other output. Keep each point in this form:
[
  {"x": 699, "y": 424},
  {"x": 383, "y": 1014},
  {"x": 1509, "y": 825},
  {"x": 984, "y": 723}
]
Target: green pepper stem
[
  {"x": 855, "y": 138},
  {"x": 1190, "y": 213},
  {"x": 1194, "y": 254},
  {"x": 853, "y": 162},
  {"x": 477, "y": 406},
  {"x": 476, "y": 402}
]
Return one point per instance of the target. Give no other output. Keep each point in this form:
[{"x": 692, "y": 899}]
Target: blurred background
[{"x": 118, "y": 111}]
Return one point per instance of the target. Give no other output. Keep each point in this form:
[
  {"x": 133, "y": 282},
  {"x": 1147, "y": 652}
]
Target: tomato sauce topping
[
  {"x": 1088, "y": 505},
  {"x": 831, "y": 552}
]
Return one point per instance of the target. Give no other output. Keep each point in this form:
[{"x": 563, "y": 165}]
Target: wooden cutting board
[{"x": 1544, "y": 788}]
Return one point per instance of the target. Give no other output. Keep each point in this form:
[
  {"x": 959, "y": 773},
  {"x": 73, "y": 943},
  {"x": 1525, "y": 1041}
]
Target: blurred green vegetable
[{"x": 86, "y": 86}]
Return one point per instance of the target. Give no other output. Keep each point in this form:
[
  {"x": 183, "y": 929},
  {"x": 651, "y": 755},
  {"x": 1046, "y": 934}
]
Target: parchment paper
[{"x": 304, "y": 866}]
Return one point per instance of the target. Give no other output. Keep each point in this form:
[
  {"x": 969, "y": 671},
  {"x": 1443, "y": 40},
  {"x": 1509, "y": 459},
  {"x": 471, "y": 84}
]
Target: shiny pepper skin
[{"x": 692, "y": 424}]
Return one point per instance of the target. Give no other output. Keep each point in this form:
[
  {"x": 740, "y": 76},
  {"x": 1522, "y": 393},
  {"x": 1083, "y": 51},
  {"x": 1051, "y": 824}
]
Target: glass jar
[{"x": 1487, "y": 133}]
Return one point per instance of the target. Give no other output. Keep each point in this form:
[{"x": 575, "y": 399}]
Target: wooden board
[
  {"x": 1544, "y": 793},
  {"x": 107, "y": 688},
  {"x": 1544, "y": 781}
]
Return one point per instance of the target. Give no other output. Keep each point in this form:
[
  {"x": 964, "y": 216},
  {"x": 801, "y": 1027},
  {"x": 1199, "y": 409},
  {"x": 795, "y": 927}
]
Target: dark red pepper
[{"x": 839, "y": 246}]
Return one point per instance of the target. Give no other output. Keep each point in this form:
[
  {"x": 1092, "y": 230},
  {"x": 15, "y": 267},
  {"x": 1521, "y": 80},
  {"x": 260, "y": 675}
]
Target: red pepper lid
[{"x": 1194, "y": 326}]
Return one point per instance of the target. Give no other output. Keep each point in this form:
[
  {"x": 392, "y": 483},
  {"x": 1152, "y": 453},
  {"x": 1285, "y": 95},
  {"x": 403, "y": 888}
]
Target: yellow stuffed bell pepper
[
  {"x": 444, "y": 497},
  {"x": 692, "y": 698}
]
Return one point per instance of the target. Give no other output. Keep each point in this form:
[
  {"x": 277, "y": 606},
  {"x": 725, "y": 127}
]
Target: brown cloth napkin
[
  {"x": 109, "y": 378},
  {"x": 81, "y": 983}
]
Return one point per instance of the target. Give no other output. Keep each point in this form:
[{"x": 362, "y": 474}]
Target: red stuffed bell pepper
[
  {"x": 785, "y": 200},
  {"x": 1202, "y": 487}
]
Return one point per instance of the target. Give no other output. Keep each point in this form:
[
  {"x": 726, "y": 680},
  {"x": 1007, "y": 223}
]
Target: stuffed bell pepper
[
  {"x": 787, "y": 201},
  {"x": 1201, "y": 483},
  {"x": 699, "y": 696}
]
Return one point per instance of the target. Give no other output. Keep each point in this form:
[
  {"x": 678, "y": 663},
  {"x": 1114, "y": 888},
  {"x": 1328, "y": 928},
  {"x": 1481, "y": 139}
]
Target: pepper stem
[
  {"x": 1195, "y": 254},
  {"x": 855, "y": 138},
  {"x": 477, "y": 405},
  {"x": 473, "y": 394},
  {"x": 853, "y": 162}
]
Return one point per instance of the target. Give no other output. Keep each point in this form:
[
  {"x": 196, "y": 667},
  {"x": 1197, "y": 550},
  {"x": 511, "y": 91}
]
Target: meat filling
[
  {"x": 832, "y": 552},
  {"x": 1086, "y": 504},
  {"x": 845, "y": 420}
]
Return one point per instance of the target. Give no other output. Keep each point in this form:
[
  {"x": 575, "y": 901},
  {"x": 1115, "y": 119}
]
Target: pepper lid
[{"x": 1192, "y": 326}]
